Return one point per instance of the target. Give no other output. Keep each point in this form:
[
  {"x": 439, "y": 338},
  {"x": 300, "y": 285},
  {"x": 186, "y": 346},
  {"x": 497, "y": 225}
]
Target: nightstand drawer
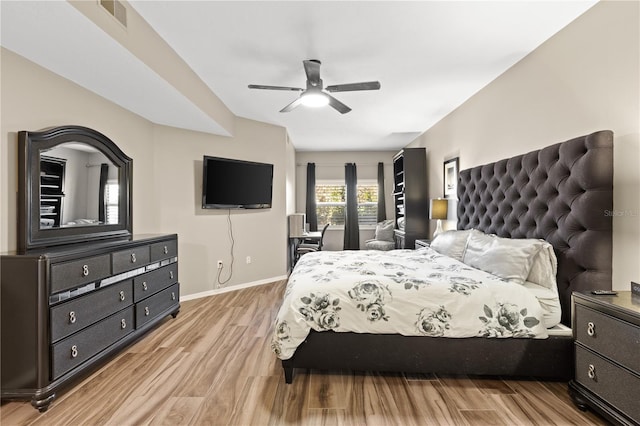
[
  {"x": 73, "y": 274},
  {"x": 74, "y": 350},
  {"x": 611, "y": 337},
  {"x": 81, "y": 312},
  {"x": 615, "y": 385},
  {"x": 423, "y": 243}
]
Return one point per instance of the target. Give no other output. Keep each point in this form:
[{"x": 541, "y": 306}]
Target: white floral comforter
[{"x": 409, "y": 292}]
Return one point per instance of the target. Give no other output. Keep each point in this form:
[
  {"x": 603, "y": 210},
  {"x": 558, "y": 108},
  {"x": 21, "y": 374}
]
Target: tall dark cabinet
[{"x": 410, "y": 196}]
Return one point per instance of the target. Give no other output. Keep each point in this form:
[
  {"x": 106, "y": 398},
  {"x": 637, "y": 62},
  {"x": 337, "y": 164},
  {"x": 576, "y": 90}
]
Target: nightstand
[
  {"x": 606, "y": 330},
  {"x": 422, "y": 243}
]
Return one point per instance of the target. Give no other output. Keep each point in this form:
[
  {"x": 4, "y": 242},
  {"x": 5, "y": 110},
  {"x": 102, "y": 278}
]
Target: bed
[{"x": 559, "y": 194}]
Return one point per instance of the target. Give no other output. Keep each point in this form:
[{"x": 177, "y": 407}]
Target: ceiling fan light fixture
[
  {"x": 316, "y": 95},
  {"x": 314, "y": 99}
]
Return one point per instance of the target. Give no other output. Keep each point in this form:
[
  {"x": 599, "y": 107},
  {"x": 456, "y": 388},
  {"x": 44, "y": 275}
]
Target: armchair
[{"x": 383, "y": 237}]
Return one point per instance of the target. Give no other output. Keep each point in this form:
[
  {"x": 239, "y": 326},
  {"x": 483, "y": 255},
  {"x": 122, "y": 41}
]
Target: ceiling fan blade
[
  {"x": 312, "y": 69},
  {"x": 292, "y": 105},
  {"x": 259, "y": 86},
  {"x": 338, "y": 106},
  {"x": 367, "y": 85}
]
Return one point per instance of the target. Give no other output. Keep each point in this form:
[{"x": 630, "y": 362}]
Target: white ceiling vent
[{"x": 116, "y": 9}]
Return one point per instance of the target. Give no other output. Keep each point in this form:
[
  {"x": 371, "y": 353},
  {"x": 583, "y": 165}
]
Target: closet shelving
[
  {"x": 52, "y": 171},
  {"x": 410, "y": 196}
]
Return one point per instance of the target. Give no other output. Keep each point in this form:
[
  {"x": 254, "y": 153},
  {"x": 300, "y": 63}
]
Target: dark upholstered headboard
[{"x": 563, "y": 194}]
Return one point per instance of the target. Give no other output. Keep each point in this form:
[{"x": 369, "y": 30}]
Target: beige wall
[
  {"x": 330, "y": 165},
  {"x": 166, "y": 174},
  {"x": 205, "y": 234},
  {"x": 582, "y": 80},
  {"x": 146, "y": 45},
  {"x": 291, "y": 177},
  {"x": 33, "y": 98}
]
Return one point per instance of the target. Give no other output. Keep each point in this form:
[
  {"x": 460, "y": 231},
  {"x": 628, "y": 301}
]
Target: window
[
  {"x": 368, "y": 203},
  {"x": 331, "y": 201},
  {"x": 111, "y": 194}
]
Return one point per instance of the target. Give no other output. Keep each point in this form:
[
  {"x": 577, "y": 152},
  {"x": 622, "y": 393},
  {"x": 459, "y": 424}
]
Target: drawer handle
[
  {"x": 144, "y": 285},
  {"x": 72, "y": 317},
  {"x": 122, "y": 296},
  {"x": 85, "y": 270},
  {"x": 123, "y": 324},
  {"x": 171, "y": 274},
  {"x": 133, "y": 258},
  {"x": 591, "y": 372},
  {"x": 166, "y": 250},
  {"x": 146, "y": 311},
  {"x": 173, "y": 296},
  {"x": 591, "y": 329},
  {"x": 74, "y": 351}
]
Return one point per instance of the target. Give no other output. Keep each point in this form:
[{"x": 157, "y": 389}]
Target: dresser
[
  {"x": 606, "y": 330},
  {"x": 67, "y": 310}
]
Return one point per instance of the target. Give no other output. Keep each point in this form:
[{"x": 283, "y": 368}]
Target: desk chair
[{"x": 309, "y": 246}]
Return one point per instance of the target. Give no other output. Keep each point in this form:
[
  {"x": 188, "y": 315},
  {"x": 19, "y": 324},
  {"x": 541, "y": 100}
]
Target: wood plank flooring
[{"x": 212, "y": 365}]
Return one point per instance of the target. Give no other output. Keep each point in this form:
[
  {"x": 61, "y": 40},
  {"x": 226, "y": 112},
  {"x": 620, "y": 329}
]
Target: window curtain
[
  {"x": 382, "y": 207},
  {"x": 312, "y": 216},
  {"x": 104, "y": 175},
  {"x": 351, "y": 228}
]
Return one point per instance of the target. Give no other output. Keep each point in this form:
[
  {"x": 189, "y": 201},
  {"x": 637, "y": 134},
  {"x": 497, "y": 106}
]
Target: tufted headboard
[{"x": 563, "y": 194}]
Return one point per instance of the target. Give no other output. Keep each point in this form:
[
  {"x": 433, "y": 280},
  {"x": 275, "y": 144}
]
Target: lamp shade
[{"x": 438, "y": 209}]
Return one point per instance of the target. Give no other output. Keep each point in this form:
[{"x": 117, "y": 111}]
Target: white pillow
[
  {"x": 384, "y": 231},
  {"x": 507, "y": 258},
  {"x": 544, "y": 268},
  {"x": 451, "y": 243}
]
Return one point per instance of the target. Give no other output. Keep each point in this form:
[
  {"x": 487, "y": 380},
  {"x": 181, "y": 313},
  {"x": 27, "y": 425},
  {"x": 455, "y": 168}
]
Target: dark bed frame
[{"x": 560, "y": 193}]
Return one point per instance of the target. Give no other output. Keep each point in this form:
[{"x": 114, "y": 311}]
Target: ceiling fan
[{"x": 315, "y": 95}]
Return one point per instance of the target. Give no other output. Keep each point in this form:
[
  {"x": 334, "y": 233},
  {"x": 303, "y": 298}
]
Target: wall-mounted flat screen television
[{"x": 236, "y": 184}]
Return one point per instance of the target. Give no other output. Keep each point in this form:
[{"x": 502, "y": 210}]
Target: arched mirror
[{"x": 75, "y": 186}]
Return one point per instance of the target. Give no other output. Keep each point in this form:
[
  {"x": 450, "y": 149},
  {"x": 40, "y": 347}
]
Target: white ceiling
[{"x": 429, "y": 56}]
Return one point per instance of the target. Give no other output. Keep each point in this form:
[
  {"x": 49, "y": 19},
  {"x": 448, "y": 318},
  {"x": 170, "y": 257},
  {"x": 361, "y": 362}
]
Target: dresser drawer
[
  {"x": 147, "y": 284},
  {"x": 72, "y": 274},
  {"x": 611, "y": 337},
  {"x": 132, "y": 258},
  {"x": 151, "y": 307},
  {"x": 613, "y": 384},
  {"x": 74, "y": 350},
  {"x": 81, "y": 312},
  {"x": 164, "y": 250}
]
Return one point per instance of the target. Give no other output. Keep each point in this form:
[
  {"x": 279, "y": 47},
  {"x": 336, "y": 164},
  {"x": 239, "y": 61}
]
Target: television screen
[{"x": 236, "y": 184}]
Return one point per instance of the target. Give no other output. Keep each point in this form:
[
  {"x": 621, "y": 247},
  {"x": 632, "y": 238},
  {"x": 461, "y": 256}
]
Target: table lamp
[{"x": 438, "y": 209}]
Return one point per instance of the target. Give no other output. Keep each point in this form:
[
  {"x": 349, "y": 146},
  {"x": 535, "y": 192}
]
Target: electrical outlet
[
  {"x": 219, "y": 264},
  {"x": 248, "y": 260}
]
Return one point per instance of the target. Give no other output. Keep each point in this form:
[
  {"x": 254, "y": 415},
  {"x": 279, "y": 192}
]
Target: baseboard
[{"x": 231, "y": 288}]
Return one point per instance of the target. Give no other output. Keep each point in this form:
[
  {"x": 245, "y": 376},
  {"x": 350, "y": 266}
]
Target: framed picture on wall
[{"x": 451, "y": 178}]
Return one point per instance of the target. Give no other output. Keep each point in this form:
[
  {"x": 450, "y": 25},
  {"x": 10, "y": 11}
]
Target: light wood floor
[{"x": 212, "y": 365}]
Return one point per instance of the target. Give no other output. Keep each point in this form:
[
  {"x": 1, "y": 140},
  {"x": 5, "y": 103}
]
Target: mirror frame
[{"x": 30, "y": 144}]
